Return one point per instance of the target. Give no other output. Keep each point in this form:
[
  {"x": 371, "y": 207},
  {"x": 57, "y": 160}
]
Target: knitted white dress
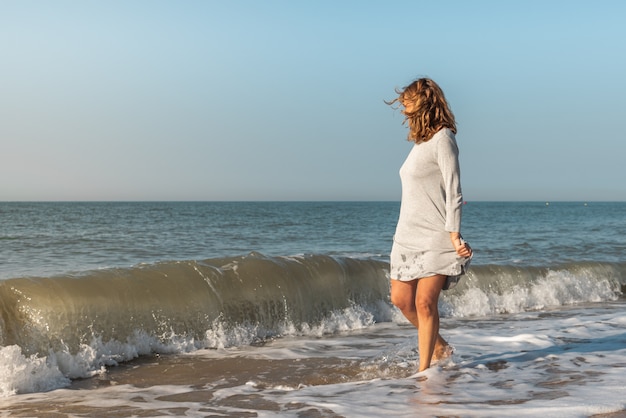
[{"x": 431, "y": 208}]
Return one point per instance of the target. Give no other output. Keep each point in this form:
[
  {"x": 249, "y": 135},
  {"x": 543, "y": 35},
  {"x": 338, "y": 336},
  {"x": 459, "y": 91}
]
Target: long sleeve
[{"x": 448, "y": 160}]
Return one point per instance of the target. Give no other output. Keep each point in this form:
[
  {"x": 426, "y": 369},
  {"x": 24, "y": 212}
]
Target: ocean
[{"x": 263, "y": 309}]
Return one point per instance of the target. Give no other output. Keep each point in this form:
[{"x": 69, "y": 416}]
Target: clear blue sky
[{"x": 283, "y": 100}]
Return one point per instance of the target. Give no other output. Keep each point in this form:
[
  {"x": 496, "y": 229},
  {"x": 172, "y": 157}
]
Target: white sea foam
[
  {"x": 568, "y": 362},
  {"x": 22, "y": 374},
  {"x": 557, "y": 288},
  {"x": 526, "y": 365}
]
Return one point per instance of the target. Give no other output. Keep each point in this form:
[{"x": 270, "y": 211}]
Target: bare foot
[{"x": 442, "y": 352}]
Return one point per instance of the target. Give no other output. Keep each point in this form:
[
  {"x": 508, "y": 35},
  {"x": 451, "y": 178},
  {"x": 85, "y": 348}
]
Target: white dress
[{"x": 431, "y": 208}]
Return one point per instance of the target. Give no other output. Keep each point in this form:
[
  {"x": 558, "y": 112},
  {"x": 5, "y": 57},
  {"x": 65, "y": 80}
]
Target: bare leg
[
  {"x": 403, "y": 295},
  {"x": 428, "y": 289}
]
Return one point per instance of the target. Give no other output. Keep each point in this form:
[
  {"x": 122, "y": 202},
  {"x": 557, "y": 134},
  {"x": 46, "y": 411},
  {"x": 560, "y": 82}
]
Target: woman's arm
[{"x": 448, "y": 161}]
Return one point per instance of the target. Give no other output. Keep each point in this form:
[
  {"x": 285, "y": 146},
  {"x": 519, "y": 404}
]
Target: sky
[{"x": 284, "y": 100}]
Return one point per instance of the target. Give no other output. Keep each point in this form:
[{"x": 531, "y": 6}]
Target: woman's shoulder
[
  {"x": 444, "y": 133},
  {"x": 443, "y": 136},
  {"x": 445, "y": 141}
]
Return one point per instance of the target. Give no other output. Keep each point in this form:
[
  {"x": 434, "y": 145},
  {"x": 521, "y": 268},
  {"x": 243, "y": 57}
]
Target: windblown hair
[{"x": 431, "y": 111}]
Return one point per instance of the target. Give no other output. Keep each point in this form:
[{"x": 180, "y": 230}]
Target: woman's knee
[
  {"x": 402, "y": 298},
  {"x": 400, "y": 301},
  {"x": 426, "y": 307},
  {"x": 428, "y": 295}
]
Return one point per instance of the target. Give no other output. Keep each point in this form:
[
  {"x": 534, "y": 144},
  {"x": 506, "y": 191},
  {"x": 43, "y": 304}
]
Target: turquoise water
[{"x": 53, "y": 238}]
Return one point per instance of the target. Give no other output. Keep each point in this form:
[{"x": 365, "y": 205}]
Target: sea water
[{"x": 281, "y": 309}]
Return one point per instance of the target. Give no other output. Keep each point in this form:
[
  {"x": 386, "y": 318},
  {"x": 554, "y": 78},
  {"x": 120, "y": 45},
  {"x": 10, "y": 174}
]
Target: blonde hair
[{"x": 431, "y": 111}]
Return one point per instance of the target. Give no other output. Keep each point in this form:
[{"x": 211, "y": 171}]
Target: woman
[{"x": 428, "y": 253}]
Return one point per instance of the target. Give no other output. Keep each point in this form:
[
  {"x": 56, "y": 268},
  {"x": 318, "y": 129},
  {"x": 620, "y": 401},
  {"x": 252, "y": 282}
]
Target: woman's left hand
[
  {"x": 464, "y": 250},
  {"x": 461, "y": 247}
]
